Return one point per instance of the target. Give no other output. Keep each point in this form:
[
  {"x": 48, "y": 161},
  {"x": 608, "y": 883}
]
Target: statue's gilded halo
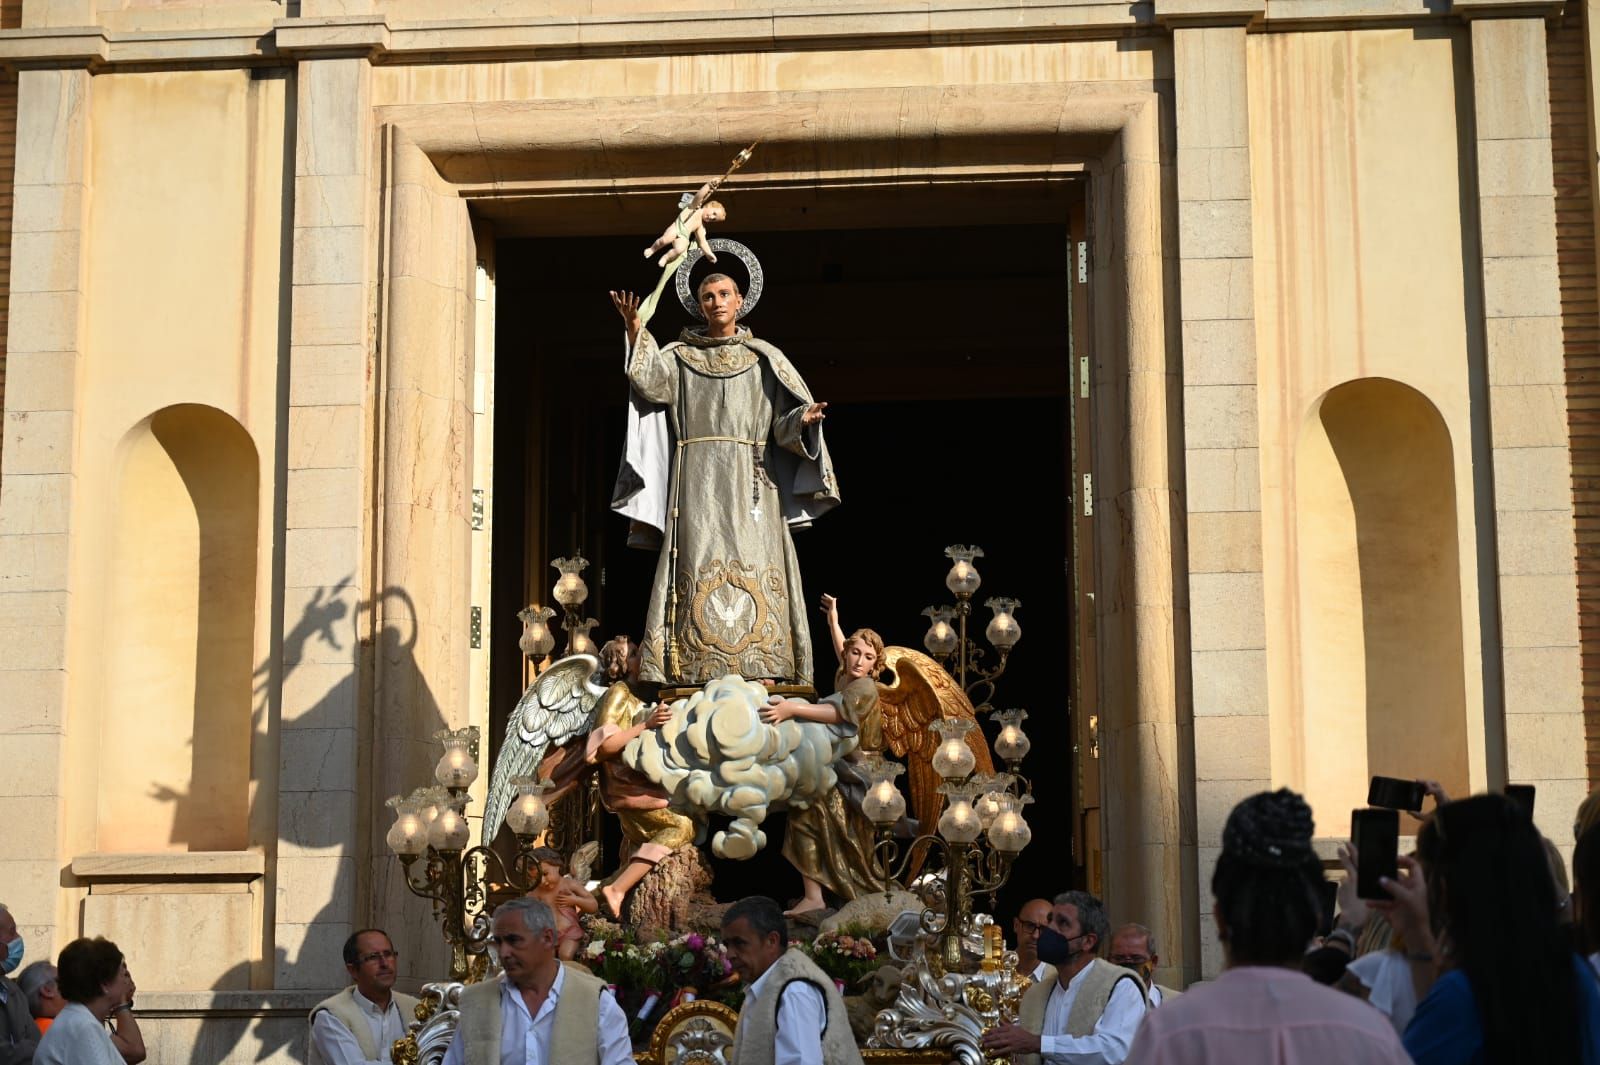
[{"x": 738, "y": 251}]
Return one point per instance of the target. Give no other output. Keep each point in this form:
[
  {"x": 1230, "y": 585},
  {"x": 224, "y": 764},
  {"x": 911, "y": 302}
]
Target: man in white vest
[
  {"x": 540, "y": 1011},
  {"x": 792, "y": 1013},
  {"x": 1084, "y": 1011},
  {"x": 359, "y": 1025},
  {"x": 1133, "y": 946}
]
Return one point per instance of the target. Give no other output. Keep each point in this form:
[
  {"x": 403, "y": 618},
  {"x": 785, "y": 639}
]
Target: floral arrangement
[
  {"x": 846, "y": 954},
  {"x": 651, "y": 975},
  {"x": 615, "y": 955},
  {"x": 695, "y": 962}
]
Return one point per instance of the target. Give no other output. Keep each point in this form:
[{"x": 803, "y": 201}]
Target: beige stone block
[
  {"x": 167, "y": 927},
  {"x": 307, "y": 886},
  {"x": 1214, "y": 229},
  {"x": 1517, "y": 226},
  {"x": 1226, "y": 611},
  {"x": 1521, "y": 288},
  {"x": 312, "y": 759},
  {"x": 33, "y": 765},
  {"x": 31, "y": 700},
  {"x": 1217, "y": 288},
  {"x": 1219, "y": 352},
  {"x": 325, "y": 499},
  {"x": 1208, "y": 68},
  {"x": 1232, "y": 748},
  {"x": 331, "y": 131},
  {"x": 40, "y": 381},
  {"x": 329, "y": 314},
  {"x": 1510, "y": 79},
  {"x": 48, "y": 209},
  {"x": 38, "y": 442},
  {"x": 324, "y": 437},
  {"x": 52, "y": 120},
  {"x": 330, "y": 200},
  {"x": 31, "y": 888},
  {"x": 30, "y": 821},
  {"x": 1532, "y": 478},
  {"x": 1545, "y": 747},
  {"x": 33, "y": 563},
  {"x": 40, "y": 503},
  {"x": 1225, "y": 541},
  {"x": 1522, "y": 416},
  {"x": 1214, "y": 800},
  {"x": 1220, "y": 416},
  {"x": 307, "y": 953},
  {"x": 1553, "y": 811},
  {"x": 328, "y": 376},
  {"x": 1212, "y": 958},
  {"x": 330, "y": 255},
  {"x": 1515, "y": 168},
  {"x": 320, "y": 556},
  {"x": 1213, "y": 173},
  {"x": 1535, "y": 542},
  {"x": 33, "y": 647},
  {"x": 1524, "y": 351},
  {"x": 310, "y": 823},
  {"x": 43, "y": 321},
  {"x": 1542, "y": 680},
  {"x": 1539, "y": 611},
  {"x": 45, "y": 261},
  {"x": 427, "y": 231},
  {"x": 1229, "y": 683},
  {"x": 320, "y": 696},
  {"x": 1222, "y": 479}
]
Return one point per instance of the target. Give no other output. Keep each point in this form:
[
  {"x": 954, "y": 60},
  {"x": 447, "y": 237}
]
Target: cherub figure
[
  {"x": 689, "y": 225},
  {"x": 565, "y": 894}
]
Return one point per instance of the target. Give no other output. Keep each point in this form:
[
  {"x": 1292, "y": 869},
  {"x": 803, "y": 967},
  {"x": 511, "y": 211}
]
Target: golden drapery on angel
[{"x": 830, "y": 843}]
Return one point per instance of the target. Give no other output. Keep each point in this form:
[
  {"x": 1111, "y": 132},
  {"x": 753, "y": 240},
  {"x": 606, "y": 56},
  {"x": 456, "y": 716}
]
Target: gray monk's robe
[{"x": 743, "y": 470}]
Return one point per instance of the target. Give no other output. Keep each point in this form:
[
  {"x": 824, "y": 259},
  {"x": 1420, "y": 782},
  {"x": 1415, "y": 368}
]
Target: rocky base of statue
[
  {"x": 672, "y": 894},
  {"x": 875, "y": 912}
]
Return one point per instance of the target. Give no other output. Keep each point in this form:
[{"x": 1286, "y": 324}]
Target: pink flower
[{"x": 695, "y": 941}]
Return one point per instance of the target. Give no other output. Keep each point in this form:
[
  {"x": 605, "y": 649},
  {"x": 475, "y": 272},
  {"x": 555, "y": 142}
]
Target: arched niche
[
  {"x": 179, "y": 636},
  {"x": 1383, "y": 684}
]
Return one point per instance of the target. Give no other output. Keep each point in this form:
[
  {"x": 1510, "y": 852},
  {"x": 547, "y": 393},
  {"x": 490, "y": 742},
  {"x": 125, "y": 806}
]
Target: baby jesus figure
[{"x": 688, "y": 225}]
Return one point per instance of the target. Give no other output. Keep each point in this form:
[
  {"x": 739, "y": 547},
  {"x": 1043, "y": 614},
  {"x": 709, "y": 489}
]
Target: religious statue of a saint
[{"x": 741, "y": 462}]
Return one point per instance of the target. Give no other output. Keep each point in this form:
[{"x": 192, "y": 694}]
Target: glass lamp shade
[
  {"x": 1012, "y": 745},
  {"x": 408, "y": 836},
  {"x": 883, "y": 804},
  {"x": 995, "y": 789},
  {"x": 450, "y": 831},
  {"x": 1009, "y": 832},
  {"x": 429, "y": 801},
  {"x": 1003, "y": 630},
  {"x": 457, "y": 769},
  {"x": 960, "y": 822},
  {"x": 963, "y": 579},
  {"x": 953, "y": 759},
  {"x": 537, "y": 639},
  {"x": 528, "y": 815},
  {"x": 941, "y": 638},
  {"x": 570, "y": 589},
  {"x": 579, "y": 642}
]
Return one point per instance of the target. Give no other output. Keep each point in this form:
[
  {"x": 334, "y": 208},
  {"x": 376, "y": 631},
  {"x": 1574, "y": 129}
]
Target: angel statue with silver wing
[{"x": 830, "y": 843}]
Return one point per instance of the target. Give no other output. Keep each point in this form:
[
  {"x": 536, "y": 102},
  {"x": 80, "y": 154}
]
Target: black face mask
[{"x": 1053, "y": 948}]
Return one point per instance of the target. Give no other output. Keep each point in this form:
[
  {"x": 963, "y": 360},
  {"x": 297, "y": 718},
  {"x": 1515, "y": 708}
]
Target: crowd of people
[{"x": 1477, "y": 954}]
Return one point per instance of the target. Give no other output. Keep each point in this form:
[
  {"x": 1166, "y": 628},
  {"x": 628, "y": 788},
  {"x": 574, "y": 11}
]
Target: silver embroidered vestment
[{"x": 726, "y": 596}]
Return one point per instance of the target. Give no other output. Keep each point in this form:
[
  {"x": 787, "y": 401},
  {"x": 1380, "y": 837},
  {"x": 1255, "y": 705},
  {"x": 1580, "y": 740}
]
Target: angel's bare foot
[
  {"x": 614, "y": 899},
  {"x": 805, "y": 906}
]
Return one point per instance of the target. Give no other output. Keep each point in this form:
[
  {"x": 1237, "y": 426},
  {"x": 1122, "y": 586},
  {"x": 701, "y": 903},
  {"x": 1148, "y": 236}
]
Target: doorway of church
[{"x": 945, "y": 356}]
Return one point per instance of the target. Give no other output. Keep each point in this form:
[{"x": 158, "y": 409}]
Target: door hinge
[
  {"x": 1088, "y": 495},
  {"x": 477, "y": 627},
  {"x": 1083, "y": 377},
  {"x": 477, "y": 509},
  {"x": 1083, "y": 261}
]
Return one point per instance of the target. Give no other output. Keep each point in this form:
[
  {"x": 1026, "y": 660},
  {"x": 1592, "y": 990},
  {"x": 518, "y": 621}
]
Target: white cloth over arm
[
  {"x": 641, "y": 492},
  {"x": 1112, "y": 1035}
]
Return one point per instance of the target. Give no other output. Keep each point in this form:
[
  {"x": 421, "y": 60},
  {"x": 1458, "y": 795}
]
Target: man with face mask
[
  {"x": 19, "y": 1036},
  {"x": 1133, "y": 946},
  {"x": 1084, "y": 1011}
]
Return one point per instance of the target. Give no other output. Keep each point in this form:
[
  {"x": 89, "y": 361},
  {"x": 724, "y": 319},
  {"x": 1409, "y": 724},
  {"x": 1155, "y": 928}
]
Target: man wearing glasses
[
  {"x": 1034, "y": 915},
  {"x": 360, "y": 1024}
]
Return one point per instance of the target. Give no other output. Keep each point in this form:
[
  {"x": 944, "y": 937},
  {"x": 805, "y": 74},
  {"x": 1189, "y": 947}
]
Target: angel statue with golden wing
[{"x": 830, "y": 842}]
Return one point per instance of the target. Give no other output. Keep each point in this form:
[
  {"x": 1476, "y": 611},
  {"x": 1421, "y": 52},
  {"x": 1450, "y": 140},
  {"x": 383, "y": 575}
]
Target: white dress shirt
[
  {"x": 1154, "y": 995},
  {"x": 525, "y": 1040},
  {"x": 338, "y": 1045},
  {"x": 802, "y": 1016},
  {"x": 1113, "y": 1032},
  {"x": 1038, "y": 972},
  {"x": 77, "y": 1037}
]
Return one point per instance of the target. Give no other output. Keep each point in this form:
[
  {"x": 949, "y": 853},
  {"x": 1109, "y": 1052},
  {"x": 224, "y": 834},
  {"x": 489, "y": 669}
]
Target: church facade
[{"x": 1332, "y": 266}]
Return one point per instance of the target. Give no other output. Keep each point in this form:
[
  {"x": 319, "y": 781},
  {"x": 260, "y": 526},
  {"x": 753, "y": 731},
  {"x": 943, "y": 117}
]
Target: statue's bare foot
[
  {"x": 612, "y": 900},
  {"x": 805, "y": 906}
]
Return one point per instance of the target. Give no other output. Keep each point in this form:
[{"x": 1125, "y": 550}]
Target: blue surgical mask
[
  {"x": 1054, "y": 948},
  {"x": 13, "y": 956}
]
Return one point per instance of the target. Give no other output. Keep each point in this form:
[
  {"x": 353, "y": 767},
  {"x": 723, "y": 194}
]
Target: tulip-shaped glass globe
[
  {"x": 1003, "y": 630},
  {"x": 960, "y": 823},
  {"x": 963, "y": 577},
  {"x": 570, "y": 589},
  {"x": 537, "y": 639},
  {"x": 941, "y": 638},
  {"x": 1012, "y": 745},
  {"x": 408, "y": 836},
  {"x": 457, "y": 769},
  {"x": 528, "y": 815},
  {"x": 953, "y": 759}
]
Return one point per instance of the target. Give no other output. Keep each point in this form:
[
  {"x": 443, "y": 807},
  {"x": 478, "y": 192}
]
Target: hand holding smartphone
[
  {"x": 1392, "y": 793},
  {"x": 1375, "y": 833}
]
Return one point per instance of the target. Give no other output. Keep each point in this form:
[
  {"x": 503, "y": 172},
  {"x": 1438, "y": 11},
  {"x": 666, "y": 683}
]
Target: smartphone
[
  {"x": 1330, "y": 906},
  {"x": 1392, "y": 793},
  {"x": 1375, "y": 834},
  {"x": 1521, "y": 795}
]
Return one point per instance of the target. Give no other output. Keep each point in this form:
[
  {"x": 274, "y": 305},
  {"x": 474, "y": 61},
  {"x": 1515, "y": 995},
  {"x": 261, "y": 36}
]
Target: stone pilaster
[
  {"x": 1532, "y": 487},
  {"x": 42, "y": 408}
]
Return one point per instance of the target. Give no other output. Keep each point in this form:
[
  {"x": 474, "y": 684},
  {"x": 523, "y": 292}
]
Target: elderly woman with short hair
[{"x": 93, "y": 978}]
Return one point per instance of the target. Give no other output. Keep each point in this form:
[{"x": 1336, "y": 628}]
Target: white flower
[{"x": 595, "y": 949}]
